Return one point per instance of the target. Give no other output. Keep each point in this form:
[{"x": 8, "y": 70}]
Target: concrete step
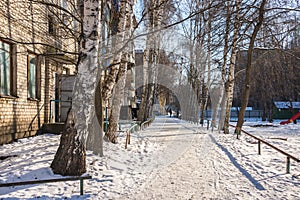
[{"x": 56, "y": 128}]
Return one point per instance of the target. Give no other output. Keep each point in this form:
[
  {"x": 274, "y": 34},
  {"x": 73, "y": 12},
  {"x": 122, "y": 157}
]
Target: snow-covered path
[
  {"x": 171, "y": 159},
  {"x": 195, "y": 171},
  {"x": 203, "y": 167}
]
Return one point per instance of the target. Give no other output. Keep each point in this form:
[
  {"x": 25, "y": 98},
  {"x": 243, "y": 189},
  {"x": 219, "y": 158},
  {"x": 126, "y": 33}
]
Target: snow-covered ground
[{"x": 171, "y": 159}]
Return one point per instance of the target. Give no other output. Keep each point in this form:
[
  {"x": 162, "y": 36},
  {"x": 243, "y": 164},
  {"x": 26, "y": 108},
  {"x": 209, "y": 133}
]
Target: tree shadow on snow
[
  {"x": 238, "y": 166},
  {"x": 29, "y": 176},
  {"x": 43, "y": 173},
  {"x": 45, "y": 197}
]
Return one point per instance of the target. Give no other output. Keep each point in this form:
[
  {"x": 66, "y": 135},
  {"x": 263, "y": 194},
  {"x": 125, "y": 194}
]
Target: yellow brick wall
[{"x": 23, "y": 23}]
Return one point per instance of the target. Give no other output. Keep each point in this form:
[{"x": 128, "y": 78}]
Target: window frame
[
  {"x": 37, "y": 78},
  {"x": 12, "y": 93},
  {"x": 51, "y": 25}
]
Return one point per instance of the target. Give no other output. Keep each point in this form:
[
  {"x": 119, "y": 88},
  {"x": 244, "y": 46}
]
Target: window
[
  {"x": 7, "y": 69},
  {"x": 64, "y": 4},
  {"x": 65, "y": 16},
  {"x": 51, "y": 25},
  {"x": 33, "y": 77}
]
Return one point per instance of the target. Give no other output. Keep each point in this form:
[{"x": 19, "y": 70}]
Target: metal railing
[
  {"x": 63, "y": 179},
  {"x": 146, "y": 123},
  {"x": 289, "y": 157},
  {"x": 136, "y": 127},
  {"x": 132, "y": 129}
]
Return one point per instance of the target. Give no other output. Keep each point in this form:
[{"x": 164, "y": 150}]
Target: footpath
[
  {"x": 187, "y": 164},
  {"x": 192, "y": 163}
]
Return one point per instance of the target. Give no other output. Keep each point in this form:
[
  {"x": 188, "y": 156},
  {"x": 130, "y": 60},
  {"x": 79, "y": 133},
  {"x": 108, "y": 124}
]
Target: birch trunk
[
  {"x": 94, "y": 141},
  {"x": 225, "y": 53},
  {"x": 150, "y": 60},
  {"x": 151, "y": 88},
  {"x": 223, "y": 109},
  {"x": 116, "y": 104},
  {"x": 142, "y": 110},
  {"x": 207, "y": 84},
  {"x": 118, "y": 44},
  {"x": 215, "y": 96},
  {"x": 127, "y": 18},
  {"x": 147, "y": 94},
  {"x": 230, "y": 81},
  {"x": 70, "y": 156}
]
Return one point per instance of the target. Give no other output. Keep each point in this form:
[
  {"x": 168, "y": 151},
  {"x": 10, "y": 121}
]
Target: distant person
[{"x": 170, "y": 111}]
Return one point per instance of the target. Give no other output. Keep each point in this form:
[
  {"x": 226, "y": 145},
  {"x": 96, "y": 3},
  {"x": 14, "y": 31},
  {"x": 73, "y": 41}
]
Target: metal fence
[{"x": 235, "y": 114}]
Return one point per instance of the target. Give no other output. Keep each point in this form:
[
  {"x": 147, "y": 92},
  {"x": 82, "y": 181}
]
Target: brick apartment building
[{"x": 34, "y": 61}]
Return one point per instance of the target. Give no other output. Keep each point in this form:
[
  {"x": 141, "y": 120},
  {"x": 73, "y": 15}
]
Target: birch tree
[
  {"x": 224, "y": 64},
  {"x": 116, "y": 103},
  {"x": 150, "y": 59},
  {"x": 71, "y": 157},
  {"x": 230, "y": 80},
  {"x": 195, "y": 32},
  {"x": 66, "y": 27},
  {"x": 121, "y": 76},
  {"x": 112, "y": 76},
  {"x": 207, "y": 20}
]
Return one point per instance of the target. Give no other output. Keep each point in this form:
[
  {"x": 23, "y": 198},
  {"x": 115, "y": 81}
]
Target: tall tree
[
  {"x": 153, "y": 24},
  {"x": 63, "y": 28},
  {"x": 226, "y": 36},
  {"x": 71, "y": 157},
  {"x": 121, "y": 17},
  {"x": 257, "y": 26},
  {"x": 230, "y": 80},
  {"x": 116, "y": 103},
  {"x": 207, "y": 20}
]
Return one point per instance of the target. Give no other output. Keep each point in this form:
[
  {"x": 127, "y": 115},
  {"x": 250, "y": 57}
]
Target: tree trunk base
[
  {"x": 111, "y": 137},
  {"x": 70, "y": 157}
]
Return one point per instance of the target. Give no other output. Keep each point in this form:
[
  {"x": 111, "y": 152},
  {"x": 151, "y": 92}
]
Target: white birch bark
[
  {"x": 142, "y": 109},
  {"x": 230, "y": 81},
  {"x": 85, "y": 84},
  {"x": 206, "y": 85},
  {"x": 70, "y": 157},
  {"x": 215, "y": 96},
  {"x": 111, "y": 77},
  {"x": 127, "y": 18},
  {"x": 116, "y": 104},
  {"x": 223, "y": 108},
  {"x": 150, "y": 60},
  {"x": 224, "y": 78}
]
